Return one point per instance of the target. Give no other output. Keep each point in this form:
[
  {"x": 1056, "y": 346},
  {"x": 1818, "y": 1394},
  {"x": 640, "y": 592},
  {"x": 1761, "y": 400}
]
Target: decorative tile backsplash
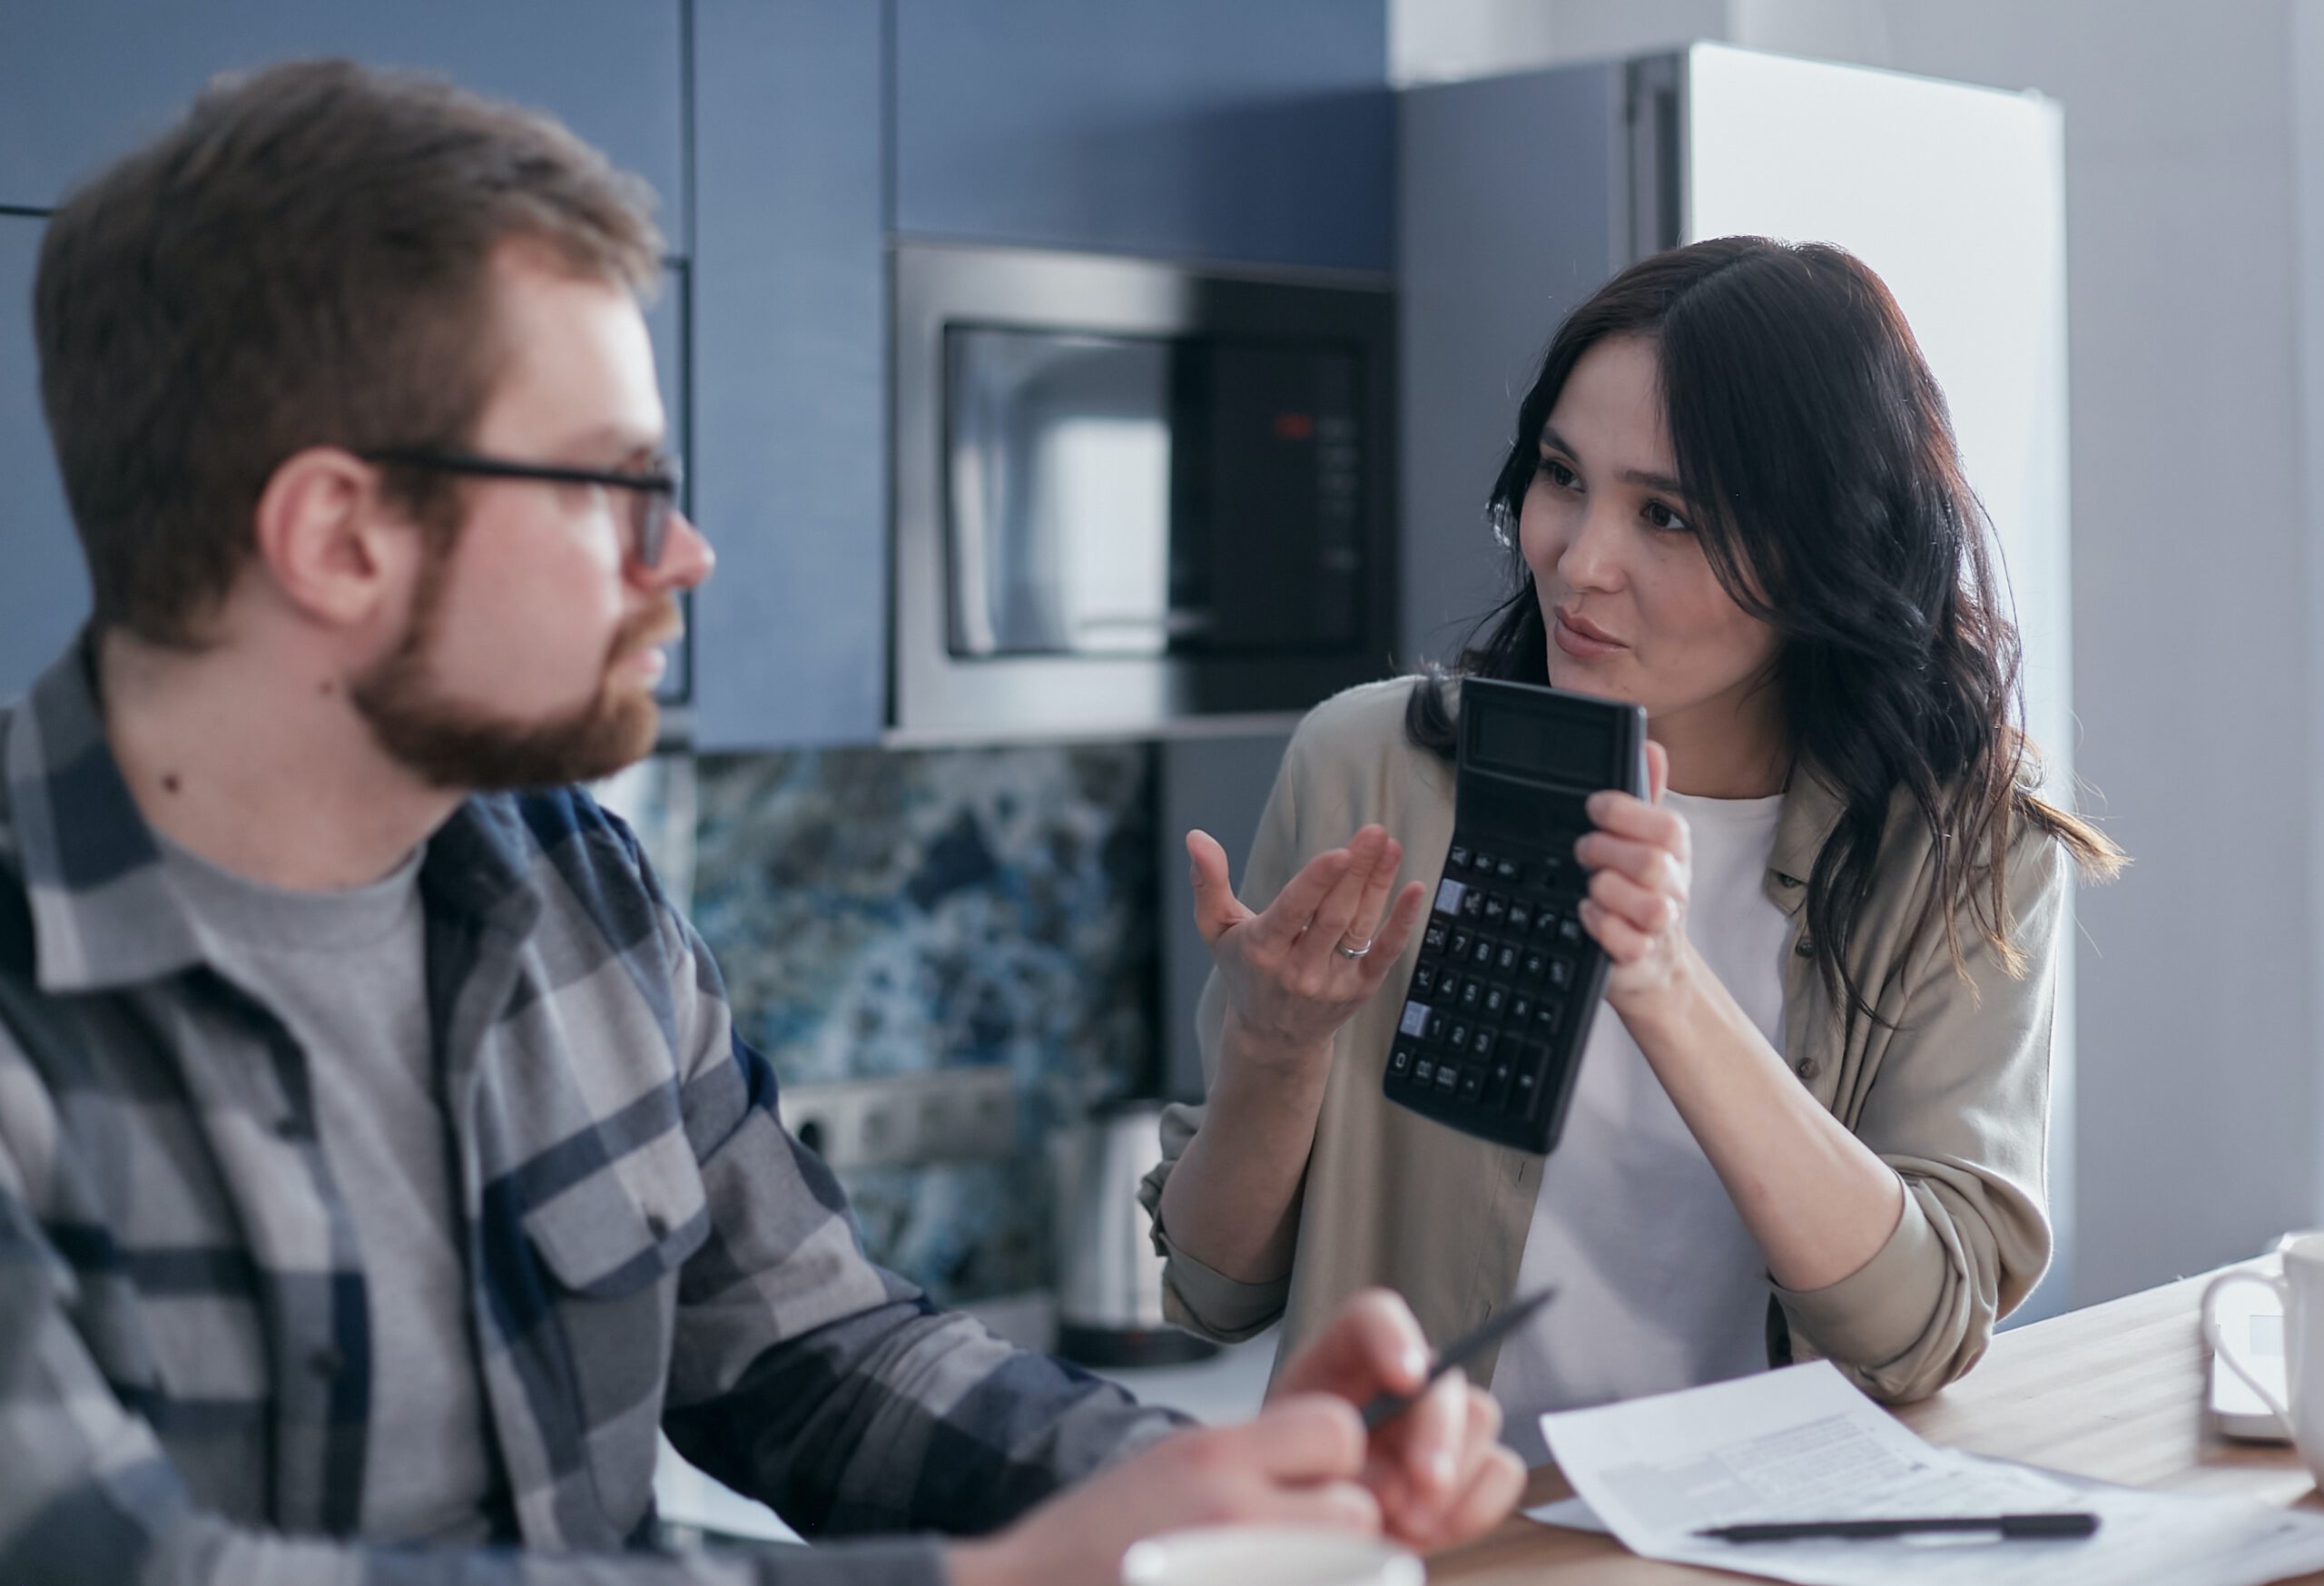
[{"x": 883, "y": 913}]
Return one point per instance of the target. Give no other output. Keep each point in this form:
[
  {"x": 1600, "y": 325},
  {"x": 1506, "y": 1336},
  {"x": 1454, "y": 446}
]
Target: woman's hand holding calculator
[
  {"x": 1297, "y": 970},
  {"x": 1641, "y": 862}
]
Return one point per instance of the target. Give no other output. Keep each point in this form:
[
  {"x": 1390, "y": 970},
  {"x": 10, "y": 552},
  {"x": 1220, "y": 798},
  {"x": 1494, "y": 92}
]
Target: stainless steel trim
[{"x": 1656, "y": 90}]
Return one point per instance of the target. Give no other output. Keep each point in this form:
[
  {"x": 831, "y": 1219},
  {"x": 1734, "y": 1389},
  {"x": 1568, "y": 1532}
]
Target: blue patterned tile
[{"x": 882, "y": 912}]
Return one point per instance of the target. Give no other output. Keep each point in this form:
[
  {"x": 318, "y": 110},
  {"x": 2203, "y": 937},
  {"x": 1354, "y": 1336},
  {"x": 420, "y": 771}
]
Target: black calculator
[{"x": 1490, "y": 1036}]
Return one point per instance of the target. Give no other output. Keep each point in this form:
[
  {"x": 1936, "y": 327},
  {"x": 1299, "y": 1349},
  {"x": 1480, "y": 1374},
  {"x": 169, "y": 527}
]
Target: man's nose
[{"x": 687, "y": 558}]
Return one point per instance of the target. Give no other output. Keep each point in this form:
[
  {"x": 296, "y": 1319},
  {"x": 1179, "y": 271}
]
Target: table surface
[{"x": 2114, "y": 1391}]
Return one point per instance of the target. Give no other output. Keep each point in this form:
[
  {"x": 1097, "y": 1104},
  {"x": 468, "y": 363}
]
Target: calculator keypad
[{"x": 1485, "y": 1032}]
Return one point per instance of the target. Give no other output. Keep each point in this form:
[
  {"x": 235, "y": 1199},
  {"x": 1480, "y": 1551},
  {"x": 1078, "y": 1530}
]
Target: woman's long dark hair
[{"x": 1818, "y": 460}]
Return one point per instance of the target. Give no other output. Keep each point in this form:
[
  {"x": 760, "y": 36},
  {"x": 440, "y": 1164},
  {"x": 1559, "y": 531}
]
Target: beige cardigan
[{"x": 1952, "y": 1090}]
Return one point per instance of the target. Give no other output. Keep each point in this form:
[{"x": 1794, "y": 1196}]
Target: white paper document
[{"x": 1801, "y": 1444}]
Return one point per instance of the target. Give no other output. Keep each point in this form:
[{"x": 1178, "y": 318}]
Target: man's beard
[{"x": 456, "y": 746}]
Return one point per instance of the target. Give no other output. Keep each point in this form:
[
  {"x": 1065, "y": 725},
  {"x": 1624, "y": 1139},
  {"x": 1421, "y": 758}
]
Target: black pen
[
  {"x": 2008, "y": 1525},
  {"x": 1385, "y": 1407}
]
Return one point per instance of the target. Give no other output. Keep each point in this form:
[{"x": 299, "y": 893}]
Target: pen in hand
[{"x": 1385, "y": 1407}]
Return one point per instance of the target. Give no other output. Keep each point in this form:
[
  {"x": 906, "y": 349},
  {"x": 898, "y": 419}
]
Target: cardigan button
[
  {"x": 1806, "y": 948},
  {"x": 1810, "y": 1068},
  {"x": 327, "y": 1361}
]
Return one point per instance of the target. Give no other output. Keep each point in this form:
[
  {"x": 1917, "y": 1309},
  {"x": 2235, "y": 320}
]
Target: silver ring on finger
[{"x": 1352, "y": 953}]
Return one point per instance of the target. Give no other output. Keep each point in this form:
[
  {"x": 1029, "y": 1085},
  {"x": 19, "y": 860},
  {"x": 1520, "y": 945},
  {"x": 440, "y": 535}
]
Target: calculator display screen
[{"x": 1526, "y": 744}]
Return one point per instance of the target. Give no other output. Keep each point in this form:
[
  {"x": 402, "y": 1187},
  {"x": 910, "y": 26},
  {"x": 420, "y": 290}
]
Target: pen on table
[
  {"x": 2068, "y": 1524},
  {"x": 1385, "y": 1407}
]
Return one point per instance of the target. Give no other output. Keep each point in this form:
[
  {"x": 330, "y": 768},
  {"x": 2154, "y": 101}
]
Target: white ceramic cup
[
  {"x": 1268, "y": 1556},
  {"x": 2300, "y": 1288}
]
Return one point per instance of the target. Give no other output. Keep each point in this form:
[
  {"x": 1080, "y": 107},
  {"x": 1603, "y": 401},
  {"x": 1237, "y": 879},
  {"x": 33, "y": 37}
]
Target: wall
[{"x": 2195, "y": 211}]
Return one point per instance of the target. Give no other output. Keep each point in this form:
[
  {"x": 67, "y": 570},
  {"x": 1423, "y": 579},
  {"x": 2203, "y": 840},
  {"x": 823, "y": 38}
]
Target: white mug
[
  {"x": 1268, "y": 1556},
  {"x": 2300, "y": 1288}
]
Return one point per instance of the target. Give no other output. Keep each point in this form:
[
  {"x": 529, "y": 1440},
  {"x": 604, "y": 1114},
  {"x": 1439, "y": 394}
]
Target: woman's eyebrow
[{"x": 1644, "y": 480}]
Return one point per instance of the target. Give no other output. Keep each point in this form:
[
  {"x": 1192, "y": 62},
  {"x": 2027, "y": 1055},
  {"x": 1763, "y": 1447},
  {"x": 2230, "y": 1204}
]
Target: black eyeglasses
[{"x": 654, "y": 493}]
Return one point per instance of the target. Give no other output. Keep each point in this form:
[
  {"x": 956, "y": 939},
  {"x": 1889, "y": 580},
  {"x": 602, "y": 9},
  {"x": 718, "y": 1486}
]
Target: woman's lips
[{"x": 1581, "y": 646}]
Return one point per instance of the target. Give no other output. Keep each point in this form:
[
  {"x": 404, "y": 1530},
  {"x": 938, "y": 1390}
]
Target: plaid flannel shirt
[{"x": 184, "y": 1357}]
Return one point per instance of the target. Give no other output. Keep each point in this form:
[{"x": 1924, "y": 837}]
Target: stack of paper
[{"x": 1802, "y": 1444}]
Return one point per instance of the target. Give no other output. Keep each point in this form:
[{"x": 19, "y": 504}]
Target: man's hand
[
  {"x": 1437, "y": 1470},
  {"x": 1434, "y": 1475},
  {"x": 1297, "y": 1464}
]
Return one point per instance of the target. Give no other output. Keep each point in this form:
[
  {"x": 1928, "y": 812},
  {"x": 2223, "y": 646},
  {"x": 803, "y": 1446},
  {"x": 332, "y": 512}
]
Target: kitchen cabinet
[
  {"x": 1202, "y": 129},
  {"x": 790, "y": 413},
  {"x": 44, "y": 590},
  {"x": 83, "y": 81}
]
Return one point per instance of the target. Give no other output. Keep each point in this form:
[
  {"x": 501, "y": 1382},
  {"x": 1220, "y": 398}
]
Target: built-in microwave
[{"x": 1134, "y": 497}]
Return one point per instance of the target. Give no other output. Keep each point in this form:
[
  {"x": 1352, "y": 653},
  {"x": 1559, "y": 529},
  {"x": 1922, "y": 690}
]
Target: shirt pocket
[{"x": 612, "y": 1260}]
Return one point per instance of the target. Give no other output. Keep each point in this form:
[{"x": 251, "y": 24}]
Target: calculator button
[
  {"x": 1545, "y": 920},
  {"x": 1561, "y": 973},
  {"x": 1462, "y": 942},
  {"x": 1507, "y": 869},
  {"x": 1415, "y": 1020},
  {"x": 1448, "y": 987},
  {"x": 1458, "y": 1037},
  {"x": 1436, "y": 1030},
  {"x": 1569, "y": 932},
  {"x": 1496, "y": 1001},
  {"x": 1432, "y": 940},
  {"x": 1484, "y": 864},
  {"x": 1520, "y": 1006},
  {"x": 1521, "y": 918},
  {"x": 1400, "y": 1061},
  {"x": 1423, "y": 1071},
  {"x": 1496, "y": 1085},
  {"x": 1525, "y": 1085},
  {"x": 1536, "y": 964},
  {"x": 1473, "y": 1083},
  {"x": 1496, "y": 908},
  {"x": 1447, "y": 1076},
  {"x": 1424, "y": 980},
  {"x": 1472, "y": 901},
  {"x": 1482, "y": 952},
  {"x": 1457, "y": 859},
  {"x": 1471, "y": 993},
  {"x": 1545, "y": 1014},
  {"x": 1480, "y": 1043},
  {"x": 1449, "y": 894},
  {"x": 1505, "y": 958}
]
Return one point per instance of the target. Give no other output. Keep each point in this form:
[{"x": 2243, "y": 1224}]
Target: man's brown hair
[{"x": 303, "y": 260}]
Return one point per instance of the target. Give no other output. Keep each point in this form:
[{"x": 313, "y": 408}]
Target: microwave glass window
[{"x": 1123, "y": 495}]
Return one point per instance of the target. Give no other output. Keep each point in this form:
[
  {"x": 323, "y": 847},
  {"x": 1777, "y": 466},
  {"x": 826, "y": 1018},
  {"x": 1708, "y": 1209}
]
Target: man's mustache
[{"x": 648, "y": 630}]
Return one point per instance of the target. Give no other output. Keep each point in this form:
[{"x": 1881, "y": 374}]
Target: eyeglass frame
[{"x": 656, "y": 491}]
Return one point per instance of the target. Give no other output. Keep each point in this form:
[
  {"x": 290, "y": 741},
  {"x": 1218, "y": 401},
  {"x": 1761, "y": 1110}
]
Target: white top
[{"x": 1659, "y": 1285}]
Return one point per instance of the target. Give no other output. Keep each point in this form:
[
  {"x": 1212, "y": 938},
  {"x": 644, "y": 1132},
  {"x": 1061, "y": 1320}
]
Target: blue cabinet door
[
  {"x": 44, "y": 585},
  {"x": 82, "y": 82},
  {"x": 1195, "y": 129},
  {"x": 788, "y": 283}
]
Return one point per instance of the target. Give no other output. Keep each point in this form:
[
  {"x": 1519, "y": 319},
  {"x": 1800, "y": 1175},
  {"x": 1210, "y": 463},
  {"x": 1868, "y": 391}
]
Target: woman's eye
[
  {"x": 1660, "y": 516},
  {"x": 1557, "y": 473}
]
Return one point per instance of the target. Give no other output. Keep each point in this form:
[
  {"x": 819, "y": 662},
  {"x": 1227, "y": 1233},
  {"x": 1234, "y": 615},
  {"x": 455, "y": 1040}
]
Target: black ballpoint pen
[
  {"x": 1385, "y": 1407},
  {"x": 2072, "y": 1524}
]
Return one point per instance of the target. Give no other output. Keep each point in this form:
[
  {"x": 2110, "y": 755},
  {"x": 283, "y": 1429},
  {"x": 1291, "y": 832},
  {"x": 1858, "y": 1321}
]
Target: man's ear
[{"x": 333, "y": 552}]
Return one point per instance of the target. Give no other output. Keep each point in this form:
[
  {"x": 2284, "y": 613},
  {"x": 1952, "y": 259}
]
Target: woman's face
[{"x": 1633, "y": 610}]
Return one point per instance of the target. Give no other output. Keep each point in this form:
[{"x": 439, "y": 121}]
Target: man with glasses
[{"x": 378, "y": 1165}]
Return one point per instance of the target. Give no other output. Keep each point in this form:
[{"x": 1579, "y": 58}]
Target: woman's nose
[{"x": 1591, "y": 558}]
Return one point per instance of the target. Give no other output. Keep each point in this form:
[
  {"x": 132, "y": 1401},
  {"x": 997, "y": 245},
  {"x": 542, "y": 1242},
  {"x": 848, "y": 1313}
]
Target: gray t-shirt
[{"x": 346, "y": 973}]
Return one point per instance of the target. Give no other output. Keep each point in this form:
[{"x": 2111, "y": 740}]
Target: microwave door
[{"x": 1058, "y": 468}]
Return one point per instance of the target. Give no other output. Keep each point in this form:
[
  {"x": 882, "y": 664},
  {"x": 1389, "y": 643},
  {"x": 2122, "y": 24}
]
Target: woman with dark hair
[{"x": 1811, "y": 1113}]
